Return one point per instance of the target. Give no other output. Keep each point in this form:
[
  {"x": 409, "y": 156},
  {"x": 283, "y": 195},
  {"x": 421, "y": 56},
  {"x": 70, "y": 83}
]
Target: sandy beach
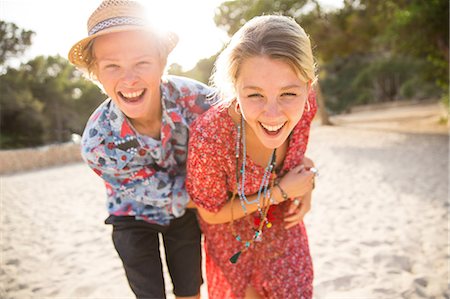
[{"x": 378, "y": 227}]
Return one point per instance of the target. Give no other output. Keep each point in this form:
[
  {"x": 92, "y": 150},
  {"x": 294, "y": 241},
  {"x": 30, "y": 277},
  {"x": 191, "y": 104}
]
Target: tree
[
  {"x": 421, "y": 29},
  {"x": 13, "y": 41},
  {"x": 201, "y": 71},
  {"x": 232, "y": 15},
  {"x": 44, "y": 101},
  {"x": 21, "y": 118}
]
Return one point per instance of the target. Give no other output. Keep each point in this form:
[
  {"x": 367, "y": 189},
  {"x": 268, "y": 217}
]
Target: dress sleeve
[
  {"x": 206, "y": 180},
  {"x": 300, "y": 137}
]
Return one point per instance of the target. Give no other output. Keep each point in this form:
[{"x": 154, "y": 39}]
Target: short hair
[{"x": 274, "y": 36}]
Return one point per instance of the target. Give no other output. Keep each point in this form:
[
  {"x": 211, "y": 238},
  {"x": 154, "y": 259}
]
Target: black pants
[{"x": 137, "y": 243}]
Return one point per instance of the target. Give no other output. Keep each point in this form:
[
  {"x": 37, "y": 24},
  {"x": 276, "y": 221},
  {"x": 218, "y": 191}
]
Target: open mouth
[
  {"x": 272, "y": 130},
  {"x": 132, "y": 97}
]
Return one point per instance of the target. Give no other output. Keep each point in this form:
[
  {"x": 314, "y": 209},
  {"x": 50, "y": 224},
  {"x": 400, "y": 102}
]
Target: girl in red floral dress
[{"x": 246, "y": 170}]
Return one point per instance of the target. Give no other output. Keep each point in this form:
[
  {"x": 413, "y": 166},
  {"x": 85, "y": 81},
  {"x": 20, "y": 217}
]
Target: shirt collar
[{"x": 123, "y": 135}]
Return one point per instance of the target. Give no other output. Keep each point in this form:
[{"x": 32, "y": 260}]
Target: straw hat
[{"x": 116, "y": 16}]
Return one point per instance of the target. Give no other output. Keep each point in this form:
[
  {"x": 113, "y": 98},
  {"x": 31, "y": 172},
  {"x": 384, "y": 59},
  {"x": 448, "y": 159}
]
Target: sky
[{"x": 61, "y": 23}]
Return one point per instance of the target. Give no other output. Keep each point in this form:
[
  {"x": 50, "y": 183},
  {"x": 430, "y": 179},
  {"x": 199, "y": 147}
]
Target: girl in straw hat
[
  {"x": 137, "y": 142},
  {"x": 246, "y": 167}
]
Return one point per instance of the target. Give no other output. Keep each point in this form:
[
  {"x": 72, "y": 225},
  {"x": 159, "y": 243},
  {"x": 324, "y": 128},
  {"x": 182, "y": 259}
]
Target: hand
[
  {"x": 308, "y": 162},
  {"x": 296, "y": 213},
  {"x": 297, "y": 182}
]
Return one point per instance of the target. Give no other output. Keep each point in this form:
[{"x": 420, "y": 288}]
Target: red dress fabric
[{"x": 278, "y": 267}]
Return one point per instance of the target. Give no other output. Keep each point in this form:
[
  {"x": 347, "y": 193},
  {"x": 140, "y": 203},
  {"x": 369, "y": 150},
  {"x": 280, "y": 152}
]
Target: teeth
[
  {"x": 272, "y": 128},
  {"x": 132, "y": 94}
]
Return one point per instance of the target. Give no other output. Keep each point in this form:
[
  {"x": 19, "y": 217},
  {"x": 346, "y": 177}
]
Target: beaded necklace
[{"x": 264, "y": 190}]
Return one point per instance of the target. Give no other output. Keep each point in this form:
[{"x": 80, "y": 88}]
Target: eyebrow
[
  {"x": 112, "y": 59},
  {"x": 283, "y": 88}
]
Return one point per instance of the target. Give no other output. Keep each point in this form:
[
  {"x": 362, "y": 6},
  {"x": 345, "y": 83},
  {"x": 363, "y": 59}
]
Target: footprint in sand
[{"x": 393, "y": 261}]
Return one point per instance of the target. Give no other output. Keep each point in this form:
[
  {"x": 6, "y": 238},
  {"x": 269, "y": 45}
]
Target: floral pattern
[{"x": 280, "y": 265}]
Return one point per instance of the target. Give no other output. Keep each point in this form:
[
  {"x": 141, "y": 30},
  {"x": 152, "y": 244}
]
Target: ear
[{"x": 237, "y": 107}]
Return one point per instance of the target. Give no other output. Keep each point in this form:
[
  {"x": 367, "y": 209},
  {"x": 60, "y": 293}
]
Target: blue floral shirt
[{"x": 145, "y": 177}]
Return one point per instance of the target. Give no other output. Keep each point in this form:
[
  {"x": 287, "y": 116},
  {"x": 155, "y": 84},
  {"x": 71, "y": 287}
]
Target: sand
[
  {"x": 379, "y": 223},
  {"x": 378, "y": 227}
]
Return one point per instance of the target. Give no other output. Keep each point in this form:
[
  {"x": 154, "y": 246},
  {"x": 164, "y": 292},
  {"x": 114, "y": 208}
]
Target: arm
[
  {"x": 207, "y": 182},
  {"x": 298, "y": 182},
  {"x": 224, "y": 214},
  {"x": 296, "y": 213}
]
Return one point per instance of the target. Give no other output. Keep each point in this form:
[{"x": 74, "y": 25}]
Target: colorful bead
[
  {"x": 258, "y": 236},
  {"x": 235, "y": 257}
]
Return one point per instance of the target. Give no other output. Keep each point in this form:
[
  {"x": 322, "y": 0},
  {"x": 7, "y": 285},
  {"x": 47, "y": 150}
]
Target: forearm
[{"x": 224, "y": 214}]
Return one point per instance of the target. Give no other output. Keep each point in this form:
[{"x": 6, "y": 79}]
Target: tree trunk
[{"x": 324, "y": 117}]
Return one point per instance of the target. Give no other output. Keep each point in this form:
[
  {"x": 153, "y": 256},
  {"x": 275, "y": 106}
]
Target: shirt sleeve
[
  {"x": 206, "y": 180},
  {"x": 194, "y": 99}
]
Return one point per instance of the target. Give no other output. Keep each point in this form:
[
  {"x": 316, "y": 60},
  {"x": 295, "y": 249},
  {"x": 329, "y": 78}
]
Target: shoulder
[
  {"x": 190, "y": 95},
  {"x": 186, "y": 86},
  {"x": 214, "y": 123},
  {"x": 184, "y": 91}
]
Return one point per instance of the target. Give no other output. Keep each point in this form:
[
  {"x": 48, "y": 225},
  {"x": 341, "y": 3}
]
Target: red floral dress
[{"x": 278, "y": 267}]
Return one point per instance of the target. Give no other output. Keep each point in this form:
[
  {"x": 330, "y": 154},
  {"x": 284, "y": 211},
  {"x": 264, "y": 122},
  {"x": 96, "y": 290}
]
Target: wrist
[{"x": 281, "y": 191}]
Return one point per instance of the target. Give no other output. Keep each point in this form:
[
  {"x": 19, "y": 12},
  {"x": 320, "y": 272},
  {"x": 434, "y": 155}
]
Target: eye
[
  {"x": 255, "y": 95},
  {"x": 143, "y": 63},
  {"x": 111, "y": 67},
  {"x": 289, "y": 94}
]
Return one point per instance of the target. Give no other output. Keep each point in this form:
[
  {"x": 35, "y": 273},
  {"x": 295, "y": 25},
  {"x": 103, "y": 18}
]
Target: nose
[
  {"x": 272, "y": 108},
  {"x": 130, "y": 78}
]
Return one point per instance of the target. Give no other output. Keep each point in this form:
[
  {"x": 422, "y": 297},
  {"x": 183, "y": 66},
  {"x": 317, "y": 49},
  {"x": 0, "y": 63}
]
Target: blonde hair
[{"x": 274, "y": 36}]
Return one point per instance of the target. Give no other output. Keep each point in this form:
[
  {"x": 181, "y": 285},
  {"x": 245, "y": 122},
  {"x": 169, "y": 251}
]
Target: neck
[
  {"x": 257, "y": 152},
  {"x": 150, "y": 125},
  {"x": 261, "y": 154}
]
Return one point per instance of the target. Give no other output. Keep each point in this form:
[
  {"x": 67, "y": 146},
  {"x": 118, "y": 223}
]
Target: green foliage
[
  {"x": 420, "y": 29},
  {"x": 21, "y": 119},
  {"x": 44, "y": 101},
  {"x": 13, "y": 40},
  {"x": 364, "y": 79},
  {"x": 201, "y": 71},
  {"x": 231, "y": 15}
]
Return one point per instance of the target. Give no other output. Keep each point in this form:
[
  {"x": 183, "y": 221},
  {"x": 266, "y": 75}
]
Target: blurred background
[{"x": 367, "y": 52}]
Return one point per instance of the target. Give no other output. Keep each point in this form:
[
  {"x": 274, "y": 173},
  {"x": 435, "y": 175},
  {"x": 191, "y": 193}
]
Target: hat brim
[{"x": 76, "y": 53}]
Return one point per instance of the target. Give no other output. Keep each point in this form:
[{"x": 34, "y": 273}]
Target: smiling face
[
  {"x": 271, "y": 97},
  {"x": 129, "y": 67}
]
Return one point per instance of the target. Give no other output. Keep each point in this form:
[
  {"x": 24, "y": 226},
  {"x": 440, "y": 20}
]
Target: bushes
[{"x": 364, "y": 79}]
